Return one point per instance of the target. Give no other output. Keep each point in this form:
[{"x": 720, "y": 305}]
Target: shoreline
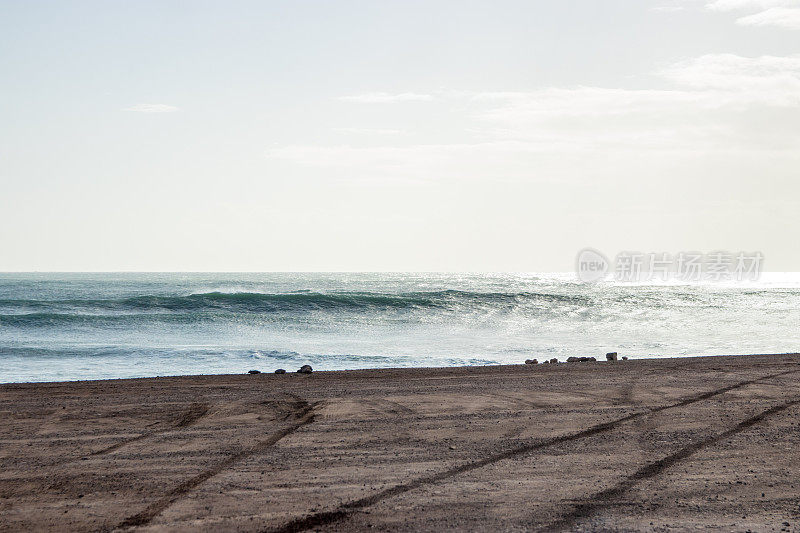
[
  {"x": 644, "y": 444},
  {"x": 290, "y": 371}
]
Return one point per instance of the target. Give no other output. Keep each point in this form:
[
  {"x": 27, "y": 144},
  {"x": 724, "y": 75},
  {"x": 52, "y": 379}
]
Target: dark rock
[
  {"x": 305, "y": 369},
  {"x": 531, "y": 362},
  {"x": 580, "y": 359},
  {"x": 611, "y": 356},
  {"x": 624, "y": 357},
  {"x": 280, "y": 371},
  {"x": 554, "y": 360},
  {"x": 253, "y": 371}
]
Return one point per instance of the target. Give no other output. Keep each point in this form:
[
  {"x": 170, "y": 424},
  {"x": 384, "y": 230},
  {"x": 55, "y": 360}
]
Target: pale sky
[{"x": 395, "y": 135}]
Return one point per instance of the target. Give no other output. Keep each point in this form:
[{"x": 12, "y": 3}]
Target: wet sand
[{"x": 645, "y": 445}]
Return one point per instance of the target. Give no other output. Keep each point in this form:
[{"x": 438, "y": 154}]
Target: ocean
[{"x": 79, "y": 326}]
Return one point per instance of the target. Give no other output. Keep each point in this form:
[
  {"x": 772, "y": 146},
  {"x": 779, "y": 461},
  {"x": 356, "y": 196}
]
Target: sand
[{"x": 646, "y": 445}]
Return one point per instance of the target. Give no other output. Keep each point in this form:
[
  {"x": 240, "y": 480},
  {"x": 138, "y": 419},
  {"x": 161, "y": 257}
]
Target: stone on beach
[
  {"x": 305, "y": 369},
  {"x": 253, "y": 371},
  {"x": 611, "y": 356},
  {"x": 580, "y": 359},
  {"x": 554, "y": 360},
  {"x": 531, "y": 362},
  {"x": 624, "y": 357},
  {"x": 280, "y": 371}
]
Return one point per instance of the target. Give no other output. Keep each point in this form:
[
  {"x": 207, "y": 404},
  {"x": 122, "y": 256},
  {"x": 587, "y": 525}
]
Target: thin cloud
[
  {"x": 368, "y": 131},
  {"x": 152, "y": 108},
  {"x": 669, "y": 9},
  {"x": 771, "y": 80},
  {"x": 775, "y": 13},
  {"x": 386, "y": 98},
  {"x": 733, "y": 5},
  {"x": 782, "y": 17},
  {"x": 712, "y": 104}
]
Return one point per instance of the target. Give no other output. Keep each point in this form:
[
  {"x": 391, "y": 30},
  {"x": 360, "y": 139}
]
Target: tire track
[
  {"x": 194, "y": 413},
  {"x": 601, "y": 499},
  {"x": 304, "y": 416},
  {"x": 397, "y": 408},
  {"x": 344, "y": 510},
  {"x": 519, "y": 402}
]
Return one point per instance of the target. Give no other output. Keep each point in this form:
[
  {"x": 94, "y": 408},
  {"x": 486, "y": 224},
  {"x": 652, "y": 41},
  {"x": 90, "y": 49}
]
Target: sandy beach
[{"x": 645, "y": 445}]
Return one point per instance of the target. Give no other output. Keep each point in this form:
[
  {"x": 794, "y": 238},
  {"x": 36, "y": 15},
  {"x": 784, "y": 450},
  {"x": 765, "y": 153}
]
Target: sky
[{"x": 398, "y": 135}]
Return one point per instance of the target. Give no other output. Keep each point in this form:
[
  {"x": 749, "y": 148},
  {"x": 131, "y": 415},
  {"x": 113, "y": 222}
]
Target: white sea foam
[{"x": 94, "y": 326}]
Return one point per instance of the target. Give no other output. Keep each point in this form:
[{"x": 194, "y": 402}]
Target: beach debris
[
  {"x": 554, "y": 360},
  {"x": 531, "y": 362},
  {"x": 624, "y": 357},
  {"x": 580, "y": 359},
  {"x": 253, "y": 371},
  {"x": 611, "y": 356},
  {"x": 280, "y": 371},
  {"x": 305, "y": 369}
]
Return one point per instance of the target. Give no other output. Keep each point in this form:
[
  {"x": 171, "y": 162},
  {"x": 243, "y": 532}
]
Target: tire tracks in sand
[
  {"x": 304, "y": 415},
  {"x": 194, "y": 413},
  {"x": 346, "y": 509},
  {"x": 601, "y": 499}
]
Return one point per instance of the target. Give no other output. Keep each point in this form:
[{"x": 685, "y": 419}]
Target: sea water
[{"x": 95, "y": 326}]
